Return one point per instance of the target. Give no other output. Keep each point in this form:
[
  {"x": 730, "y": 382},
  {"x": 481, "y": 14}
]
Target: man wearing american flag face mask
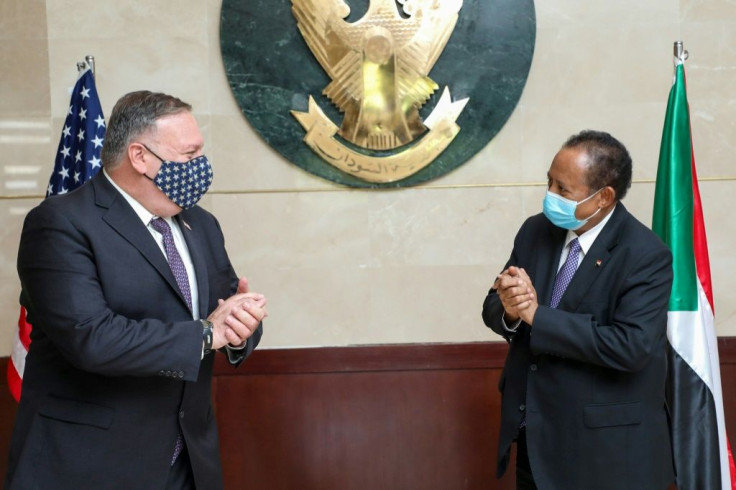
[{"x": 131, "y": 295}]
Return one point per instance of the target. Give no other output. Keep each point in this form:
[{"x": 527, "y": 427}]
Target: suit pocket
[
  {"x": 77, "y": 412},
  {"x": 612, "y": 415},
  {"x": 73, "y": 445}
]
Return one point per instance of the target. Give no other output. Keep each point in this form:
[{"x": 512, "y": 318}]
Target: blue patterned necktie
[
  {"x": 175, "y": 262},
  {"x": 564, "y": 275},
  {"x": 182, "y": 280}
]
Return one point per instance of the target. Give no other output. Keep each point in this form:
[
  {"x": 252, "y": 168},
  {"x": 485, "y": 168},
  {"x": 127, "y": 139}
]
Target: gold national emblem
[{"x": 379, "y": 68}]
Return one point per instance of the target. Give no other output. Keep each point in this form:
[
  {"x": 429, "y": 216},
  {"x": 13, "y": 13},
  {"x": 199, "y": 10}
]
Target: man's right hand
[
  {"x": 236, "y": 318},
  {"x": 516, "y": 293}
]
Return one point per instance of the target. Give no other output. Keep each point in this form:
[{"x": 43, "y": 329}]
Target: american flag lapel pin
[
  {"x": 190, "y": 228},
  {"x": 598, "y": 262}
]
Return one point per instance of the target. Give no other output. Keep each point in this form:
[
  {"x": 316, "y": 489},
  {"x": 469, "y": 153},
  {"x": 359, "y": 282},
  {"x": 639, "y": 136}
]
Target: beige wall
[{"x": 356, "y": 267}]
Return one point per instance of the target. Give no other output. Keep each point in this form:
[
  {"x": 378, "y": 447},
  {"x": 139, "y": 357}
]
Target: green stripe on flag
[{"x": 673, "y": 198}]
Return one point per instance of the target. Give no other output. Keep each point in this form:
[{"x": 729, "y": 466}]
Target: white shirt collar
[
  {"x": 179, "y": 241},
  {"x": 145, "y": 215},
  {"x": 586, "y": 239}
]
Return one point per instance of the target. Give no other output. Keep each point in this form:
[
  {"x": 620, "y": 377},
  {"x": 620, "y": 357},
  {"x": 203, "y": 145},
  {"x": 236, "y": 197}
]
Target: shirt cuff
[
  {"x": 234, "y": 354},
  {"x": 514, "y": 326}
]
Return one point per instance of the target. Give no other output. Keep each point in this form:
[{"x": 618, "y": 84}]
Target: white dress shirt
[
  {"x": 585, "y": 240},
  {"x": 179, "y": 242},
  {"x": 181, "y": 247}
]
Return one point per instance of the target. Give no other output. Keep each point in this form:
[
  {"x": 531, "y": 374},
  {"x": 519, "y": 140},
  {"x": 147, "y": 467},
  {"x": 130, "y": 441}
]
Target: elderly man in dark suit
[
  {"x": 583, "y": 304},
  {"x": 130, "y": 293}
]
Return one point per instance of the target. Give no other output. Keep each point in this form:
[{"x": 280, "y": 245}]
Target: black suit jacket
[
  {"x": 589, "y": 376},
  {"x": 114, "y": 367}
]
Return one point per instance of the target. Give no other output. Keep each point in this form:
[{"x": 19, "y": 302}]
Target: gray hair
[{"x": 133, "y": 115}]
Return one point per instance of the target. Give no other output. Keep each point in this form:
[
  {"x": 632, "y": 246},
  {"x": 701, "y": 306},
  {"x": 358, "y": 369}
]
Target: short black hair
[{"x": 610, "y": 163}]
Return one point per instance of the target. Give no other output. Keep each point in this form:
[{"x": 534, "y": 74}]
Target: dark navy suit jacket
[
  {"x": 589, "y": 376},
  {"x": 114, "y": 367}
]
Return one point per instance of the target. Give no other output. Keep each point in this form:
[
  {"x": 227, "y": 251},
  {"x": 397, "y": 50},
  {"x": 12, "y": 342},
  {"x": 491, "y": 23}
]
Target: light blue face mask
[{"x": 561, "y": 211}]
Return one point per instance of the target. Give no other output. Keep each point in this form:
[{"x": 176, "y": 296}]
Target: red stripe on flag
[
  {"x": 731, "y": 466},
  {"x": 17, "y": 358},
  {"x": 24, "y": 329},
  {"x": 700, "y": 244}
]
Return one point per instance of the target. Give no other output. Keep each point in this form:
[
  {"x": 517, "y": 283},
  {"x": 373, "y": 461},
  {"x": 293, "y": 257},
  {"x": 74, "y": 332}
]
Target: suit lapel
[
  {"x": 121, "y": 217},
  {"x": 193, "y": 237},
  {"x": 594, "y": 262},
  {"x": 549, "y": 259}
]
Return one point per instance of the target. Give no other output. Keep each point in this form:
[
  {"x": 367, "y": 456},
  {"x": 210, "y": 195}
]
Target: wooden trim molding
[
  {"x": 389, "y": 357},
  {"x": 369, "y": 358}
]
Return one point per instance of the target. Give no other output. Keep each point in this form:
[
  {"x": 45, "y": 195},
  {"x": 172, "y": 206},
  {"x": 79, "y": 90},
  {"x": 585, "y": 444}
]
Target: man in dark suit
[
  {"x": 130, "y": 293},
  {"x": 582, "y": 303}
]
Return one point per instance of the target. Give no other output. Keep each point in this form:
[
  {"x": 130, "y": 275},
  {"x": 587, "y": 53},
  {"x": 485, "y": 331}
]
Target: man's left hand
[{"x": 249, "y": 314}]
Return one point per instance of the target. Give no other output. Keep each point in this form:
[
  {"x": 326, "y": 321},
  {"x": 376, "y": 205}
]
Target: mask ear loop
[
  {"x": 154, "y": 154},
  {"x": 590, "y": 197},
  {"x": 596, "y": 212},
  {"x": 587, "y": 198}
]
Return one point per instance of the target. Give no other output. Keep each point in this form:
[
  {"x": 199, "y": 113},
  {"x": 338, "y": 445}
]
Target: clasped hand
[
  {"x": 236, "y": 318},
  {"x": 517, "y": 295}
]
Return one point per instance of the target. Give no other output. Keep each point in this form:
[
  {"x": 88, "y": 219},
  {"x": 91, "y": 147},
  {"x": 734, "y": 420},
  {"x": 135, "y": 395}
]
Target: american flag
[{"x": 77, "y": 160}]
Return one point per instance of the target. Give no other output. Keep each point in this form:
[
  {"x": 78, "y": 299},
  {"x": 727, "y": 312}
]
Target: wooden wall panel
[
  {"x": 727, "y": 353},
  {"x": 388, "y": 417},
  {"x": 377, "y": 417},
  {"x": 8, "y": 408},
  {"x": 388, "y": 430}
]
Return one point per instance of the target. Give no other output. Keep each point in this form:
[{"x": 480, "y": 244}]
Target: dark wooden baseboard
[{"x": 385, "y": 416}]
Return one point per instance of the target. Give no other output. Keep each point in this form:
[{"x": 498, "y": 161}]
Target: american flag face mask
[{"x": 184, "y": 182}]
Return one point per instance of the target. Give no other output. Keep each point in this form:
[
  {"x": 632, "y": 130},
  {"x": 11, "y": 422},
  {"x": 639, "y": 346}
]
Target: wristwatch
[{"x": 206, "y": 336}]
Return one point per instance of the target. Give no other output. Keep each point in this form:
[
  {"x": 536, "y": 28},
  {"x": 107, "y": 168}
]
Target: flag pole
[
  {"x": 89, "y": 62},
  {"x": 680, "y": 54}
]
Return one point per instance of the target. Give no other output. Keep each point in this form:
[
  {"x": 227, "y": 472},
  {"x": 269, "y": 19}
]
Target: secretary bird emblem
[{"x": 379, "y": 66}]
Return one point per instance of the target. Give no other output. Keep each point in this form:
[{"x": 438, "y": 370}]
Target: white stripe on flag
[
  {"x": 693, "y": 335},
  {"x": 18, "y": 354}
]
